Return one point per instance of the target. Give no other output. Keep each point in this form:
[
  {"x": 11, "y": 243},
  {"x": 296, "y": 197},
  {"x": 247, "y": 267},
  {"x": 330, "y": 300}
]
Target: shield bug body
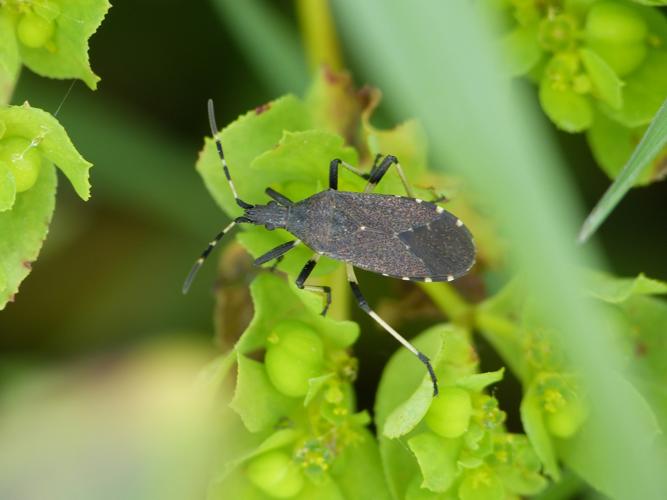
[{"x": 396, "y": 236}]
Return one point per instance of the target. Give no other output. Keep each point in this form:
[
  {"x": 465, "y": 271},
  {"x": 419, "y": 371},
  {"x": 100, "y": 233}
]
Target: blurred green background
[{"x": 108, "y": 279}]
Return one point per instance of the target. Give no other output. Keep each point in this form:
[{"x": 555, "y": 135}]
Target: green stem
[
  {"x": 499, "y": 326},
  {"x": 448, "y": 301},
  {"x": 318, "y": 32},
  {"x": 340, "y": 291}
]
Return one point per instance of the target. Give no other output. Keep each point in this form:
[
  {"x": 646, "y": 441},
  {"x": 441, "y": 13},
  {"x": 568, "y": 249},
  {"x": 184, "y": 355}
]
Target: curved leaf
[
  {"x": 23, "y": 230},
  {"x": 51, "y": 141},
  {"x": 66, "y": 54},
  {"x": 652, "y": 143}
]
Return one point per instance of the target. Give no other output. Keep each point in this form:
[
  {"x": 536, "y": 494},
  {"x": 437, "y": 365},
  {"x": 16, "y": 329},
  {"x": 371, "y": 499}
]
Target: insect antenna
[
  {"x": 221, "y": 154},
  {"x": 200, "y": 261},
  {"x": 239, "y": 220}
]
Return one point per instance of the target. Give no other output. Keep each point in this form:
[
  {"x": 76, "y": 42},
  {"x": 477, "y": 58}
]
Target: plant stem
[
  {"x": 493, "y": 323},
  {"x": 318, "y": 33},
  {"x": 340, "y": 291},
  {"x": 448, "y": 301}
]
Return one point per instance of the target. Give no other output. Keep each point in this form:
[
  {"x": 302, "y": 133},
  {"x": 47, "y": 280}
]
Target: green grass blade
[
  {"x": 270, "y": 44},
  {"x": 648, "y": 148},
  {"x": 436, "y": 63}
]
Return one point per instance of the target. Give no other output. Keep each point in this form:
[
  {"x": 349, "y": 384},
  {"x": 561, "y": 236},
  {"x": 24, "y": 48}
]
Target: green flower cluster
[
  {"x": 601, "y": 67},
  {"x": 300, "y": 430},
  {"x": 458, "y": 443},
  {"x": 555, "y": 408}
]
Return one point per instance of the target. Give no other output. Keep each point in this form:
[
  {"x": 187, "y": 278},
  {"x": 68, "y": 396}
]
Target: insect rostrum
[{"x": 397, "y": 236}]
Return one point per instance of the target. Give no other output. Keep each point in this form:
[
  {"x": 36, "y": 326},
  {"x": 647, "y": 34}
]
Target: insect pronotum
[{"x": 397, "y": 236}]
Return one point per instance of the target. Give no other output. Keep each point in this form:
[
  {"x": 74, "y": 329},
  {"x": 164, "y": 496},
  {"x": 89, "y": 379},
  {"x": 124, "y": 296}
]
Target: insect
[{"x": 397, "y": 236}]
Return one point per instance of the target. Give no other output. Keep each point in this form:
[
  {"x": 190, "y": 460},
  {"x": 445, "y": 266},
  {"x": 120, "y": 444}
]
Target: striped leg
[
  {"x": 363, "y": 304},
  {"x": 303, "y": 276},
  {"x": 378, "y": 173},
  {"x": 200, "y": 261},
  {"x": 276, "y": 253},
  {"x": 214, "y": 131},
  {"x": 333, "y": 172}
]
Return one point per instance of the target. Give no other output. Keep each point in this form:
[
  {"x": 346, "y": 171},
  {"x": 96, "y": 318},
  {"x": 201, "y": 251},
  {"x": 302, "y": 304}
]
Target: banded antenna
[{"x": 200, "y": 261}]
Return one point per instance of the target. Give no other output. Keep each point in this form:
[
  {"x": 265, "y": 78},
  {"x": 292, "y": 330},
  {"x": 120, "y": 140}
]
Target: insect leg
[
  {"x": 214, "y": 131},
  {"x": 363, "y": 304},
  {"x": 378, "y": 173},
  {"x": 274, "y": 266},
  {"x": 280, "y": 198},
  {"x": 198, "y": 263},
  {"x": 303, "y": 276},
  {"x": 333, "y": 172},
  {"x": 276, "y": 252}
]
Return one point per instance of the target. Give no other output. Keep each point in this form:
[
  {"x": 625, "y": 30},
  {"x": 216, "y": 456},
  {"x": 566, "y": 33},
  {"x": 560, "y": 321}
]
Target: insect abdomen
[{"x": 394, "y": 236}]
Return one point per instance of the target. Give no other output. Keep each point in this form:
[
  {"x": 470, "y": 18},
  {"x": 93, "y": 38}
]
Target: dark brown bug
[{"x": 396, "y": 236}]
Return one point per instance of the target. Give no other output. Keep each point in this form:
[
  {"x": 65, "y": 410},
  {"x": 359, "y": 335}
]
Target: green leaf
[
  {"x": 652, "y": 143},
  {"x": 23, "y": 230},
  {"x": 437, "y": 459},
  {"x": 478, "y": 381},
  {"x": 651, "y": 2},
  {"x": 520, "y": 473},
  {"x": 411, "y": 410},
  {"x": 401, "y": 375},
  {"x": 585, "y": 453},
  {"x": 7, "y": 187},
  {"x": 496, "y": 319},
  {"x": 570, "y": 111},
  {"x": 299, "y": 165},
  {"x": 606, "y": 84},
  {"x": 214, "y": 373},
  {"x": 275, "y": 300},
  {"x": 243, "y": 140},
  {"x": 481, "y": 484},
  {"x": 256, "y": 401},
  {"x": 65, "y": 55},
  {"x": 612, "y": 145},
  {"x": 10, "y": 60},
  {"x": 315, "y": 385},
  {"x": 358, "y": 470},
  {"x": 521, "y": 50},
  {"x": 532, "y": 418},
  {"x": 647, "y": 348},
  {"x": 278, "y": 439},
  {"x": 615, "y": 290},
  {"x": 52, "y": 142},
  {"x": 644, "y": 91}
]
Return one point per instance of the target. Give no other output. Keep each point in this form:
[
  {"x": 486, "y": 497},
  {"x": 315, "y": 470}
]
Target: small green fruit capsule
[
  {"x": 450, "y": 412},
  {"x": 23, "y": 160},
  {"x": 614, "y": 22},
  {"x": 295, "y": 356},
  {"x": 34, "y": 31},
  {"x": 567, "y": 420},
  {"x": 618, "y": 33},
  {"x": 275, "y": 474}
]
